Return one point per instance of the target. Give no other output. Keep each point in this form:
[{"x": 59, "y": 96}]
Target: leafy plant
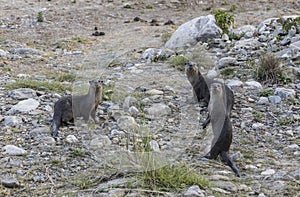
[
  {"x": 39, "y": 85},
  {"x": 178, "y": 62},
  {"x": 148, "y": 6},
  {"x": 289, "y": 22},
  {"x": 268, "y": 70},
  {"x": 40, "y": 17},
  {"x": 266, "y": 92},
  {"x": 227, "y": 71},
  {"x": 173, "y": 177},
  {"x": 224, "y": 20}
]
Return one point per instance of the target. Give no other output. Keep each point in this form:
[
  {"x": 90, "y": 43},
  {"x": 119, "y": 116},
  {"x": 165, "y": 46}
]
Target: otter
[
  {"x": 70, "y": 107},
  {"x": 221, "y": 126},
  {"x": 201, "y": 88}
]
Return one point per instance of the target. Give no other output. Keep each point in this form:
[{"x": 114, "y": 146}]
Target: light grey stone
[
  {"x": 285, "y": 93},
  {"x": 10, "y": 182},
  {"x": 154, "y": 145},
  {"x": 275, "y": 99},
  {"x": 234, "y": 83},
  {"x": 14, "y": 150},
  {"x": 128, "y": 102},
  {"x": 268, "y": 172},
  {"x": 191, "y": 32},
  {"x": 151, "y": 53},
  {"x": 71, "y": 139},
  {"x": 127, "y": 123},
  {"x": 226, "y": 61},
  {"x": 22, "y": 93},
  {"x": 253, "y": 85},
  {"x": 296, "y": 174},
  {"x": 24, "y": 106},
  {"x": 194, "y": 191},
  {"x": 100, "y": 141},
  {"x": 154, "y": 92},
  {"x": 3, "y": 53},
  {"x": 12, "y": 120},
  {"x": 133, "y": 111},
  {"x": 263, "y": 100},
  {"x": 158, "y": 109},
  {"x": 247, "y": 30}
]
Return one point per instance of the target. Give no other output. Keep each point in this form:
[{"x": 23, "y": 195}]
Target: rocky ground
[{"x": 147, "y": 101}]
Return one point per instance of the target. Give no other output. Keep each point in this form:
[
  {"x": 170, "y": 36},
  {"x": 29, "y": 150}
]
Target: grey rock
[
  {"x": 12, "y": 120},
  {"x": 36, "y": 132},
  {"x": 133, "y": 111},
  {"x": 247, "y": 30},
  {"x": 268, "y": 172},
  {"x": 248, "y": 44},
  {"x": 154, "y": 146},
  {"x": 194, "y": 191},
  {"x": 116, "y": 132},
  {"x": 127, "y": 123},
  {"x": 275, "y": 99},
  {"x": 71, "y": 139},
  {"x": 262, "y": 38},
  {"x": 253, "y": 85},
  {"x": 128, "y": 102},
  {"x": 24, "y": 51},
  {"x": 234, "y": 83},
  {"x": 285, "y": 93},
  {"x": 226, "y": 61},
  {"x": 24, "y": 106},
  {"x": 14, "y": 150},
  {"x": 22, "y": 93},
  {"x": 158, "y": 109},
  {"x": 10, "y": 182},
  {"x": 191, "y": 32},
  {"x": 296, "y": 174},
  {"x": 257, "y": 126},
  {"x": 47, "y": 140},
  {"x": 263, "y": 100},
  {"x": 3, "y": 53},
  {"x": 100, "y": 141},
  {"x": 154, "y": 92},
  {"x": 151, "y": 53}
]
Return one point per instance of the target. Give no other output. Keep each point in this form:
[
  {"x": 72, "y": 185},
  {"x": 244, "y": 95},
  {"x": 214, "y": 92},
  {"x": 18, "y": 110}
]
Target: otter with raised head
[
  {"x": 201, "y": 87},
  {"x": 221, "y": 126},
  {"x": 70, "y": 107}
]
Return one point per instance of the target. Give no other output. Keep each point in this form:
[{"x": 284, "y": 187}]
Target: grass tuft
[
  {"x": 178, "y": 62},
  {"x": 39, "y": 85}
]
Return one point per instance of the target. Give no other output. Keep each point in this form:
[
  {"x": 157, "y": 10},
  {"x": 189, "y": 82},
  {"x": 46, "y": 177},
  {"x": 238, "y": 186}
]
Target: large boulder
[{"x": 198, "y": 29}]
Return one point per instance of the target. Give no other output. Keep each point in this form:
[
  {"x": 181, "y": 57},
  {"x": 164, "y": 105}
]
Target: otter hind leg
[{"x": 227, "y": 160}]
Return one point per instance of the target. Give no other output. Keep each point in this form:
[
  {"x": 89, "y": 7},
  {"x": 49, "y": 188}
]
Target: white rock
[
  {"x": 257, "y": 126},
  {"x": 154, "y": 92},
  {"x": 158, "y": 109},
  {"x": 285, "y": 93},
  {"x": 71, "y": 139},
  {"x": 194, "y": 191},
  {"x": 127, "y": 123},
  {"x": 234, "y": 83},
  {"x": 253, "y": 85},
  {"x": 12, "y": 120},
  {"x": 268, "y": 172},
  {"x": 22, "y": 93},
  {"x": 14, "y": 150},
  {"x": 263, "y": 100},
  {"x": 25, "y": 106},
  {"x": 100, "y": 141},
  {"x": 275, "y": 99},
  {"x": 134, "y": 112},
  {"x": 191, "y": 32},
  {"x": 154, "y": 145}
]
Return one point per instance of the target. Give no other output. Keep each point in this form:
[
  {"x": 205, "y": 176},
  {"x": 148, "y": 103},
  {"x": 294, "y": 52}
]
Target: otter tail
[
  {"x": 56, "y": 123},
  {"x": 225, "y": 158}
]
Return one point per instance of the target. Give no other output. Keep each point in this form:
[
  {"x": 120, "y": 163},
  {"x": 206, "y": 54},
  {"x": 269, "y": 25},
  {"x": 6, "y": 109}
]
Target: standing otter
[
  {"x": 221, "y": 126},
  {"x": 70, "y": 107},
  {"x": 201, "y": 88}
]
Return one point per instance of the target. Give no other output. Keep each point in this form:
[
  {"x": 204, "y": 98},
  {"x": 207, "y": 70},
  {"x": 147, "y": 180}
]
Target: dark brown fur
[
  {"x": 70, "y": 107},
  {"x": 201, "y": 88},
  {"x": 221, "y": 125}
]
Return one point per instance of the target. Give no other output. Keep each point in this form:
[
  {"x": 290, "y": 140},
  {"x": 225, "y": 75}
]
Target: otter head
[
  {"x": 96, "y": 84},
  {"x": 216, "y": 89},
  {"x": 192, "y": 71}
]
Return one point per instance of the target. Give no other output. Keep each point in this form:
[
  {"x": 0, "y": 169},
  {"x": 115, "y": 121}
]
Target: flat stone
[
  {"x": 268, "y": 172},
  {"x": 10, "y": 182},
  {"x": 158, "y": 109},
  {"x": 22, "y": 93},
  {"x": 12, "y": 120},
  {"x": 14, "y": 150},
  {"x": 25, "y": 106}
]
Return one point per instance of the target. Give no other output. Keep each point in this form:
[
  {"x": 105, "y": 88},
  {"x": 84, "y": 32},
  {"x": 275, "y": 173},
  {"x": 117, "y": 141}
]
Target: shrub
[
  {"x": 178, "y": 62},
  {"x": 268, "y": 70},
  {"x": 40, "y": 17},
  {"x": 224, "y": 20},
  {"x": 289, "y": 22}
]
